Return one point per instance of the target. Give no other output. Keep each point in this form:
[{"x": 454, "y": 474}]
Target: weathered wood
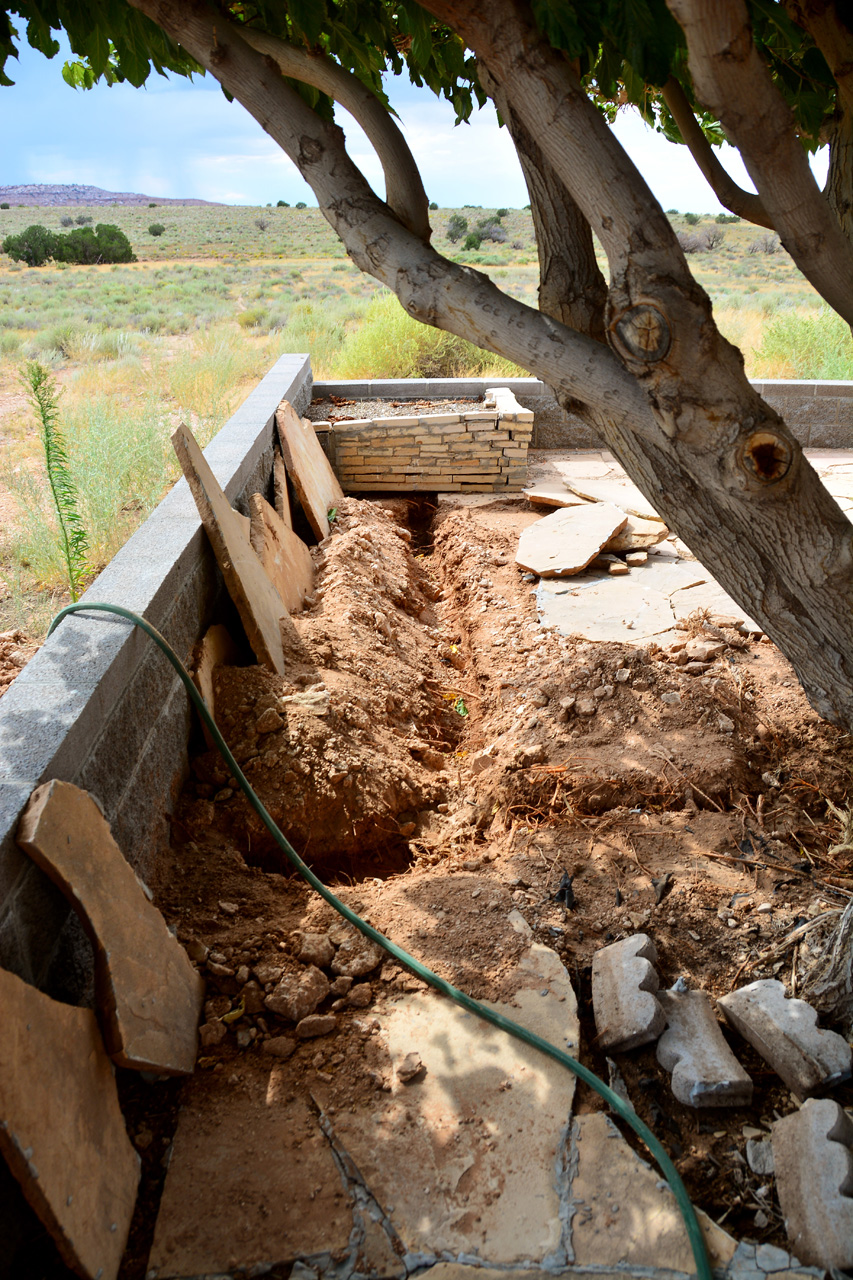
[
  {"x": 258, "y": 603},
  {"x": 313, "y": 479},
  {"x": 62, "y": 1133},
  {"x": 285, "y": 557},
  {"x": 148, "y": 994}
]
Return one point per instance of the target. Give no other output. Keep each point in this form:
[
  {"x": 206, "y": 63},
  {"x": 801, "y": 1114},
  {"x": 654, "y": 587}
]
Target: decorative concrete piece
[
  {"x": 705, "y": 1072},
  {"x": 149, "y": 996},
  {"x": 624, "y": 982},
  {"x": 813, "y": 1156},
  {"x": 313, "y": 479},
  {"x": 62, "y": 1133},
  {"x": 622, "y": 493},
  {"x": 622, "y": 1213},
  {"x": 554, "y": 495},
  {"x": 257, "y": 600},
  {"x": 786, "y": 1034},
  {"x": 282, "y": 497},
  {"x": 283, "y": 554},
  {"x": 566, "y": 541},
  {"x": 252, "y": 1182},
  {"x": 638, "y": 535},
  {"x": 215, "y": 649},
  {"x": 468, "y": 1152}
]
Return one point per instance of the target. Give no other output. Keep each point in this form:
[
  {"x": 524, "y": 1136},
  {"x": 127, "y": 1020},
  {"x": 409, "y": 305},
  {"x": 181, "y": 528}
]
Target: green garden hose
[{"x": 617, "y": 1104}]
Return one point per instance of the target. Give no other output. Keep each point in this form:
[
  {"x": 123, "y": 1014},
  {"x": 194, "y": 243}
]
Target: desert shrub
[
  {"x": 153, "y": 204},
  {"x": 713, "y": 238},
  {"x": 85, "y": 246},
  {"x": 83, "y": 219},
  {"x": 472, "y": 241},
  {"x": 488, "y": 229},
  {"x": 34, "y": 246},
  {"x": 433, "y": 205},
  {"x": 814, "y": 344},
  {"x": 691, "y": 219},
  {"x": 156, "y": 229},
  {"x": 518, "y": 244},
  {"x": 282, "y": 204},
  {"x": 66, "y": 221},
  {"x": 690, "y": 244},
  {"x": 727, "y": 217},
  {"x": 261, "y": 223},
  {"x": 4, "y": 205},
  {"x": 501, "y": 213},
  {"x": 764, "y": 244},
  {"x": 252, "y": 318},
  {"x": 456, "y": 227},
  {"x": 300, "y": 204}
]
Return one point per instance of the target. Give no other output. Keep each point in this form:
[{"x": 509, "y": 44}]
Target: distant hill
[{"x": 53, "y": 194}]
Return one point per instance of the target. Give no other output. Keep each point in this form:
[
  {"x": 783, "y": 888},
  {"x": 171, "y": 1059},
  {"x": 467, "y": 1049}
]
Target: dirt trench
[{"x": 441, "y": 759}]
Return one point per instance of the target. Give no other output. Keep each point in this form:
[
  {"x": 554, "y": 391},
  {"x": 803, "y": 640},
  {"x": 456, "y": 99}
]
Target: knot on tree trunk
[{"x": 641, "y": 333}]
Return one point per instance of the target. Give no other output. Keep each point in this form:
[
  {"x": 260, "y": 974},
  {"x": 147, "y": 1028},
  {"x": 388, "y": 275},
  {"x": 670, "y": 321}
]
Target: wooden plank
[
  {"x": 284, "y": 556},
  {"x": 62, "y": 1133},
  {"x": 216, "y": 649},
  {"x": 282, "y": 498},
  {"x": 257, "y": 600},
  {"x": 148, "y": 994},
  {"x": 313, "y": 479}
]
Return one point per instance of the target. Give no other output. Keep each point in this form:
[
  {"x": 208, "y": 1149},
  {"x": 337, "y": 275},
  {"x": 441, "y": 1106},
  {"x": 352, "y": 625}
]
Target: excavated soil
[{"x": 441, "y": 759}]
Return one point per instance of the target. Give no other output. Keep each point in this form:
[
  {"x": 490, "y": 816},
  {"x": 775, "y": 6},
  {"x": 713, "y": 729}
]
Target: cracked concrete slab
[
  {"x": 465, "y": 1158},
  {"x": 623, "y": 1212},
  {"x": 605, "y": 608}
]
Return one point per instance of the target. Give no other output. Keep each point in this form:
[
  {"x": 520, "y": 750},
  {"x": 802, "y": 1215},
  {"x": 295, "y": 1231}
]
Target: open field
[{"x": 187, "y": 330}]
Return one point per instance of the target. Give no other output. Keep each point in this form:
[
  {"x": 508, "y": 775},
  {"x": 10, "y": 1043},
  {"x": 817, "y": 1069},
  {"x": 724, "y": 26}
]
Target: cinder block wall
[{"x": 100, "y": 706}]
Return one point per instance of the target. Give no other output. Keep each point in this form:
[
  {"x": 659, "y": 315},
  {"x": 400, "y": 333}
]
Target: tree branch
[
  {"x": 833, "y": 37},
  {"x": 735, "y": 83},
  {"x": 404, "y": 188},
  {"x": 744, "y": 203},
  {"x": 432, "y": 288}
]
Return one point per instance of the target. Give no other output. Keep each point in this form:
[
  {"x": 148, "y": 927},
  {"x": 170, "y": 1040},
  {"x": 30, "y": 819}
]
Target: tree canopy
[{"x": 637, "y": 353}]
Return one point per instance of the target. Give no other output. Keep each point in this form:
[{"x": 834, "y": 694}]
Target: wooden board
[
  {"x": 216, "y": 649},
  {"x": 566, "y": 541},
  {"x": 148, "y": 994},
  {"x": 257, "y": 600},
  {"x": 284, "y": 556},
  {"x": 313, "y": 479},
  {"x": 282, "y": 497},
  {"x": 62, "y": 1133}
]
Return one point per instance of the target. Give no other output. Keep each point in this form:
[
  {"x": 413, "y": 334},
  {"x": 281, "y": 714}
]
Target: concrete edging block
[{"x": 99, "y": 706}]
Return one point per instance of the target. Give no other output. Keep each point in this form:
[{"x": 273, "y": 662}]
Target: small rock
[
  {"x": 410, "y": 1068},
  {"x": 197, "y": 950},
  {"x": 266, "y": 972},
  {"x": 212, "y": 1032},
  {"x": 245, "y": 1037},
  {"x": 356, "y": 955},
  {"x": 312, "y": 948},
  {"x": 696, "y": 668},
  {"x": 297, "y": 995},
  {"x": 725, "y": 725},
  {"x": 341, "y": 986},
  {"x": 759, "y": 1156},
  {"x": 566, "y": 707},
  {"x": 243, "y": 974},
  {"x": 586, "y": 707},
  {"x": 316, "y": 1024},
  {"x": 252, "y": 996},
  {"x": 764, "y": 908},
  {"x": 699, "y": 650},
  {"x": 603, "y": 692},
  {"x": 623, "y": 675},
  {"x": 143, "y": 1139},
  {"x": 407, "y": 829},
  {"x": 225, "y": 794},
  {"x": 540, "y": 698},
  {"x": 636, "y": 557},
  {"x": 671, "y": 699},
  {"x": 229, "y": 908},
  {"x": 361, "y": 996},
  {"x": 220, "y": 970},
  {"x": 268, "y": 721},
  {"x": 280, "y": 1046}
]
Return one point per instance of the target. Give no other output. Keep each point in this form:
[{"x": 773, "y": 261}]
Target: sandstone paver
[
  {"x": 315, "y": 482},
  {"x": 283, "y": 554},
  {"x": 565, "y": 542}
]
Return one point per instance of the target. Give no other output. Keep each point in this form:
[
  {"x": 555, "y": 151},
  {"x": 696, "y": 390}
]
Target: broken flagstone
[
  {"x": 813, "y": 1159},
  {"x": 785, "y": 1032},
  {"x": 624, "y": 985},
  {"x": 565, "y": 542},
  {"x": 283, "y": 554},
  {"x": 622, "y": 493},
  {"x": 62, "y": 1133},
  {"x": 315, "y": 482},
  {"x": 705, "y": 1072},
  {"x": 148, "y": 994}
]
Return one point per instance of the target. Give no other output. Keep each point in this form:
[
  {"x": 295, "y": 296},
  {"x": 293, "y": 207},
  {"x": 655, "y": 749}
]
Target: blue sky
[{"x": 182, "y": 139}]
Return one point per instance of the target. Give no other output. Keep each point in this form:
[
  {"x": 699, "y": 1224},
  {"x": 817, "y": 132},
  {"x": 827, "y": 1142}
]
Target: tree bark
[{"x": 676, "y": 408}]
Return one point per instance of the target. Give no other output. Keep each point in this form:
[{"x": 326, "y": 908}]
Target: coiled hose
[{"x": 617, "y": 1104}]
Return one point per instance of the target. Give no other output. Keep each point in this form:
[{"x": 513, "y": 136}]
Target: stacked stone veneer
[{"x": 484, "y": 451}]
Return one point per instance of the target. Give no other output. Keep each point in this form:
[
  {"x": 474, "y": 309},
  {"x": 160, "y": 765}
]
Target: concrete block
[
  {"x": 624, "y": 983},
  {"x": 813, "y": 1155},
  {"x": 786, "y": 1034},
  {"x": 705, "y": 1072}
]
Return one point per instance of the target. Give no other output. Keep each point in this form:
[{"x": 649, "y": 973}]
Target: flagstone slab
[
  {"x": 668, "y": 577},
  {"x": 283, "y": 554},
  {"x": 622, "y": 1210},
  {"x": 281, "y": 496},
  {"x": 468, "y": 1151},
  {"x": 313, "y": 479},
  {"x": 252, "y": 1182},
  {"x": 620, "y": 491},
  {"x": 564, "y": 543},
  {"x": 62, "y": 1133},
  {"x": 554, "y": 495},
  {"x": 257, "y": 601},
  {"x": 638, "y": 535},
  {"x": 148, "y": 994},
  {"x": 605, "y": 608}
]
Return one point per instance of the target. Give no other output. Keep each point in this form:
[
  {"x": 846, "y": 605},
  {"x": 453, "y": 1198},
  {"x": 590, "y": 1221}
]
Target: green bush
[
  {"x": 691, "y": 219},
  {"x": 85, "y": 246},
  {"x": 433, "y": 205},
  {"x": 282, "y": 204},
  {"x": 156, "y": 229},
  {"x": 82, "y": 219},
  {"x": 4, "y": 205},
  {"x": 811, "y": 345},
  {"x": 472, "y": 241},
  {"x": 252, "y": 318},
  {"x": 153, "y": 205},
  {"x": 456, "y": 227},
  {"x": 727, "y": 217},
  {"x": 35, "y": 245},
  {"x": 66, "y": 221},
  {"x": 300, "y": 204},
  {"x": 501, "y": 213}
]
